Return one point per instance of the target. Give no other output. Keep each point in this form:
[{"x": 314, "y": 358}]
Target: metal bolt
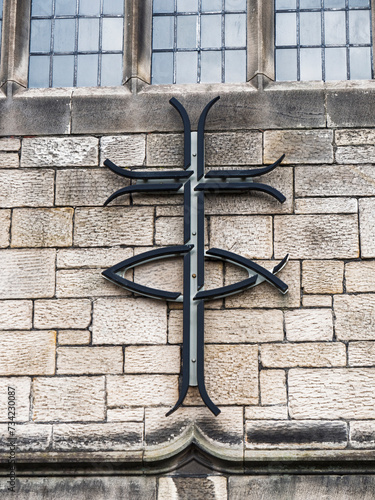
[
  {"x": 193, "y": 360},
  {"x": 194, "y": 275},
  {"x": 194, "y": 154},
  {"x": 194, "y": 234}
]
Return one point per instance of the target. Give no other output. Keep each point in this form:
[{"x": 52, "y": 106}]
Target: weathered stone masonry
[{"x": 96, "y": 369}]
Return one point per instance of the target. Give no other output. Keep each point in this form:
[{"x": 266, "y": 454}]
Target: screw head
[
  {"x": 194, "y": 275},
  {"x": 194, "y": 360}
]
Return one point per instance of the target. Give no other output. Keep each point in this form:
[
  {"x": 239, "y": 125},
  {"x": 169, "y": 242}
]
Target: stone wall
[{"x": 95, "y": 369}]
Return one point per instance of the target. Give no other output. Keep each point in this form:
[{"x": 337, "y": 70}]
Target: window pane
[
  {"x": 235, "y": 30},
  {"x": 286, "y": 64},
  {"x": 162, "y": 67},
  {"x": 163, "y": 31},
  {"x": 112, "y": 33},
  {"x": 111, "y": 70},
  {"x": 286, "y": 29},
  {"x": 211, "y": 5},
  {"x": 359, "y": 3},
  {"x": 89, "y": 7},
  {"x": 235, "y": 66},
  {"x": 187, "y": 5},
  {"x": 310, "y": 28},
  {"x": 186, "y": 67},
  {"x": 359, "y": 26},
  {"x": 186, "y": 32},
  {"x": 311, "y": 64},
  {"x": 334, "y": 4},
  {"x": 64, "y": 37},
  {"x": 235, "y": 4},
  {"x": 335, "y": 28},
  {"x": 310, "y": 4},
  {"x": 39, "y": 71},
  {"x": 360, "y": 63},
  {"x": 335, "y": 64},
  {"x": 87, "y": 70},
  {"x": 210, "y": 31},
  {"x": 63, "y": 71},
  {"x": 285, "y": 4},
  {"x": 88, "y": 35},
  {"x": 40, "y": 35},
  {"x": 41, "y": 8},
  {"x": 65, "y": 7},
  {"x": 211, "y": 67},
  {"x": 113, "y": 7},
  {"x": 163, "y": 6}
]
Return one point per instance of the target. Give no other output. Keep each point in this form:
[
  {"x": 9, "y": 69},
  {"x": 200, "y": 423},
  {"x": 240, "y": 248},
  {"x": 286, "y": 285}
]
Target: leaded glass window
[
  {"x": 1, "y": 20},
  {"x": 196, "y": 41},
  {"x": 76, "y": 43},
  {"x": 323, "y": 40}
]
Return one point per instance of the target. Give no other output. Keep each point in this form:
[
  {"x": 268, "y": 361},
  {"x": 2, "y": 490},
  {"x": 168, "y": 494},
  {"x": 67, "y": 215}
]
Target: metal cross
[{"x": 193, "y": 183}]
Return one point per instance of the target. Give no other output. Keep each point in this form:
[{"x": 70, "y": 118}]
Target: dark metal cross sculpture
[{"x": 193, "y": 183}]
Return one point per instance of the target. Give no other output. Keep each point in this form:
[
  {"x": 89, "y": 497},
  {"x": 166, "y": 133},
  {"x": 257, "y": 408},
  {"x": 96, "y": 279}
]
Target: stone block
[
  {"x": 96, "y": 437},
  {"x": 361, "y": 353},
  {"x": 22, "y": 386},
  {"x": 233, "y": 326},
  {"x": 360, "y": 276},
  {"x": 142, "y": 390},
  {"x": 125, "y": 414},
  {"x": 314, "y": 354},
  {"x": 89, "y": 360},
  {"x": 317, "y": 301},
  {"x": 273, "y": 434},
  {"x": 73, "y": 258},
  {"x": 30, "y": 438},
  {"x": 129, "y": 321},
  {"x": 27, "y": 274},
  {"x": 273, "y": 387},
  {"x": 4, "y": 228},
  {"x": 305, "y": 325},
  {"x": 165, "y": 274},
  {"x": 335, "y": 180},
  {"x": 355, "y": 154},
  {"x": 81, "y": 488},
  {"x": 9, "y": 160},
  {"x": 113, "y": 226},
  {"x": 74, "y": 337},
  {"x": 16, "y": 314},
  {"x": 362, "y": 435},
  {"x": 170, "y": 231},
  {"x": 9, "y": 144},
  {"x": 266, "y": 413},
  {"x": 252, "y": 202},
  {"x": 124, "y": 150},
  {"x": 59, "y": 152},
  {"x": 222, "y": 433},
  {"x": 165, "y": 150},
  {"x": 316, "y": 236},
  {"x": 266, "y": 295},
  {"x": 62, "y": 313},
  {"x": 234, "y": 148},
  {"x": 152, "y": 359},
  {"x": 302, "y": 486},
  {"x": 69, "y": 399},
  {"x": 367, "y": 225},
  {"x": 251, "y": 237},
  {"x": 186, "y": 488},
  {"x": 347, "y": 137},
  {"x": 20, "y": 188},
  {"x": 299, "y": 146},
  {"x": 335, "y": 393},
  {"x": 88, "y": 187},
  {"x": 350, "y": 107},
  {"x": 47, "y": 227},
  {"x": 355, "y": 317},
  {"x": 322, "y": 276},
  {"x": 85, "y": 283},
  {"x": 27, "y": 353},
  {"x": 326, "y": 206},
  {"x": 231, "y": 373}
]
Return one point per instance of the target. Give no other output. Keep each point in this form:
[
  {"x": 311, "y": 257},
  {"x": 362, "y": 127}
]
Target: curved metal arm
[
  {"x": 162, "y": 174},
  {"x": 144, "y": 188},
  {"x": 255, "y": 172},
  {"x": 241, "y": 186},
  {"x": 201, "y": 124},
  {"x": 187, "y": 130}
]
